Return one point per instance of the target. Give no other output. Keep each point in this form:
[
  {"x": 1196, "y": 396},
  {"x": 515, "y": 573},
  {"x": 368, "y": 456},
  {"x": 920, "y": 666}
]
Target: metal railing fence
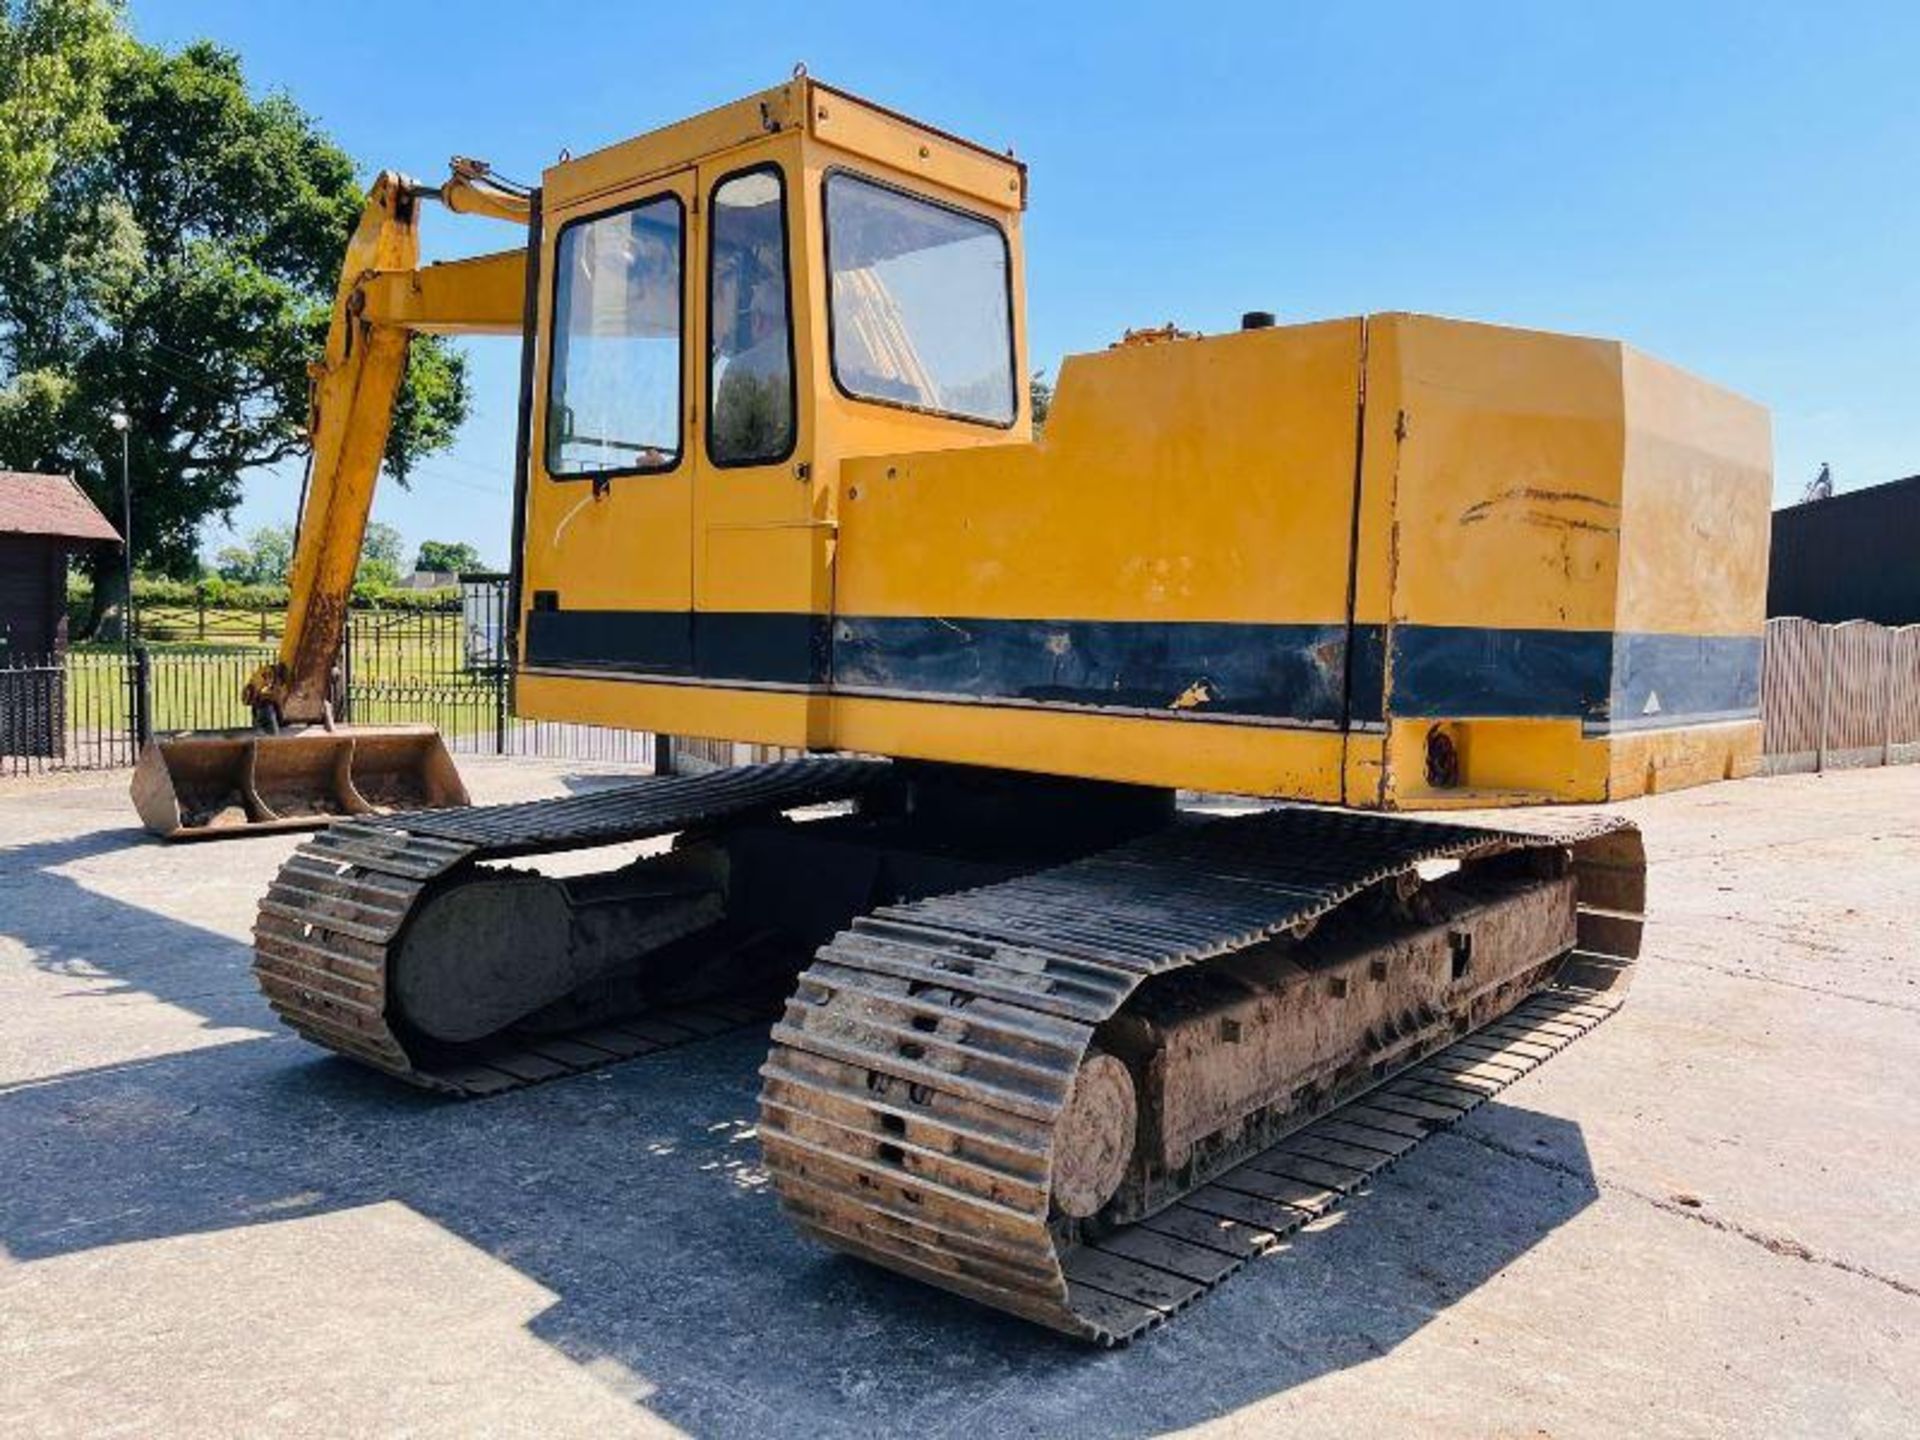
[{"x": 92, "y": 708}]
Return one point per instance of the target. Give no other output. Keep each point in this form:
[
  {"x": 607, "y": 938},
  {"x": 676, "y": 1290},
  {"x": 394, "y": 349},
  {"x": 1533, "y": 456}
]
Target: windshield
[{"x": 921, "y": 307}]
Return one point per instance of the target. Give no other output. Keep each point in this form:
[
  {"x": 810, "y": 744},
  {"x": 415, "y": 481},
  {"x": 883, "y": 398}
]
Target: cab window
[
  {"x": 614, "y": 381},
  {"x": 750, "y": 359},
  {"x": 921, "y": 311}
]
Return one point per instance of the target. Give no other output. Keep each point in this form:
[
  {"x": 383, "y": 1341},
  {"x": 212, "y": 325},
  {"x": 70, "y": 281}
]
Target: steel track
[
  {"x": 332, "y": 920},
  {"x": 911, "y": 1096}
]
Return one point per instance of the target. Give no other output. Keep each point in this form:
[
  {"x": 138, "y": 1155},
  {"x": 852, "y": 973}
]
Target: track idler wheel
[{"x": 1094, "y": 1142}]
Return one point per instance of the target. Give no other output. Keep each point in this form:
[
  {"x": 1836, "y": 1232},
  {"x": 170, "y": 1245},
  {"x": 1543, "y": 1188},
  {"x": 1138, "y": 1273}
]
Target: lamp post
[
  {"x": 137, "y": 679},
  {"x": 124, "y": 424}
]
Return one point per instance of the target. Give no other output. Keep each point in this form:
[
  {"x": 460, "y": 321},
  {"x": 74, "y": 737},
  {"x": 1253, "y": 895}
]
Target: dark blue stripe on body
[
  {"x": 1606, "y": 681},
  {"x": 774, "y": 648},
  {"x": 1293, "y": 672},
  {"x": 1367, "y": 685},
  {"x": 657, "y": 640},
  {"x": 1445, "y": 670},
  {"x": 1658, "y": 677}
]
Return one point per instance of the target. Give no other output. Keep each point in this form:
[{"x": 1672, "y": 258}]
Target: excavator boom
[{"x": 298, "y": 769}]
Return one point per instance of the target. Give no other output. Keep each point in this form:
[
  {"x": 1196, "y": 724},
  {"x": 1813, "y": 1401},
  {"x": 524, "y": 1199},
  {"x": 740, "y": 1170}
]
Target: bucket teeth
[{"x": 218, "y": 784}]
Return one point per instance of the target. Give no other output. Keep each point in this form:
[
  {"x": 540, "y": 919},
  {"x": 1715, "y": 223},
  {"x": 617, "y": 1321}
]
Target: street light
[{"x": 122, "y": 422}]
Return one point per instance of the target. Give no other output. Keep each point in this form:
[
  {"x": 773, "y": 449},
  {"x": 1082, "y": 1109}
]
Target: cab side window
[
  {"x": 750, "y": 405},
  {"x": 922, "y": 313}
]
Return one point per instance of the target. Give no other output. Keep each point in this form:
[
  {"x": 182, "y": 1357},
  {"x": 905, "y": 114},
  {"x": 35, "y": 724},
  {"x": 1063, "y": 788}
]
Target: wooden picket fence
[{"x": 1836, "y": 697}]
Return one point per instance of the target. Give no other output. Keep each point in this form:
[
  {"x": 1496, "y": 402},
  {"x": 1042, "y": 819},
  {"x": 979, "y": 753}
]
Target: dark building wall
[
  {"x": 33, "y": 626},
  {"x": 1852, "y": 557},
  {"x": 33, "y": 595}
]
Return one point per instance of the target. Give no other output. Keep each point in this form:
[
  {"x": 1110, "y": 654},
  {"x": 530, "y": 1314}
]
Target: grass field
[{"x": 404, "y": 666}]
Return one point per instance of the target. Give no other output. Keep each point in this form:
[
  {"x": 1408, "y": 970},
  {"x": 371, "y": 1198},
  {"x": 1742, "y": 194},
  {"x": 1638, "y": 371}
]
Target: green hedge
[{"x": 218, "y": 594}]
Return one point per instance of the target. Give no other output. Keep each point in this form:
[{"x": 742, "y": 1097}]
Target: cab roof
[{"x": 833, "y": 117}]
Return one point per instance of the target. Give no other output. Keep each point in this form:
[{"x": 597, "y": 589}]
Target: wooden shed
[{"x": 43, "y": 520}]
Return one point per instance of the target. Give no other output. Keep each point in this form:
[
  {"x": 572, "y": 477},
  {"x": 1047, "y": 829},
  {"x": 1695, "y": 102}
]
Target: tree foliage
[
  {"x": 57, "y": 58},
  {"x": 265, "y": 558},
  {"x": 380, "y": 554},
  {"x": 178, "y": 262},
  {"x": 448, "y": 557}
]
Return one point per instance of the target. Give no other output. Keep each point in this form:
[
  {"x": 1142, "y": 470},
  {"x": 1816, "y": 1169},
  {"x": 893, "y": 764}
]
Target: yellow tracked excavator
[{"x": 1042, "y": 1035}]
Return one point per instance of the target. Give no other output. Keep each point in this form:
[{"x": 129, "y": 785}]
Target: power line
[{"x": 459, "y": 480}]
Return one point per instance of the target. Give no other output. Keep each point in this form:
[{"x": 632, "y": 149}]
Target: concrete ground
[{"x": 1702, "y": 1219}]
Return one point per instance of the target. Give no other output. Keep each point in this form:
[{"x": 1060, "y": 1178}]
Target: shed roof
[{"x": 50, "y": 505}]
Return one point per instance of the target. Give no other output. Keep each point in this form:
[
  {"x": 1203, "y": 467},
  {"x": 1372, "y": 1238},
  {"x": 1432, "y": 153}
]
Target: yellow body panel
[
  {"x": 1244, "y": 760},
  {"x": 1497, "y": 465},
  {"x": 760, "y": 716},
  {"x": 1394, "y": 561},
  {"x": 1155, "y": 493},
  {"x": 1699, "y": 507}
]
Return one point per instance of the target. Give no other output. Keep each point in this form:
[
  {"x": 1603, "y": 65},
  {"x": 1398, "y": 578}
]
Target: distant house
[
  {"x": 44, "y": 519},
  {"x": 429, "y": 580},
  {"x": 1854, "y": 556}
]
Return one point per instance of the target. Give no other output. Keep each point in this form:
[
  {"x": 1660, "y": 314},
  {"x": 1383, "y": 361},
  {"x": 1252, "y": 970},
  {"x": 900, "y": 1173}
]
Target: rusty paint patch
[{"x": 1195, "y": 695}]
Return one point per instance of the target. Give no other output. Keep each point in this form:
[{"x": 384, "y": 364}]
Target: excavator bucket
[{"x": 213, "y": 784}]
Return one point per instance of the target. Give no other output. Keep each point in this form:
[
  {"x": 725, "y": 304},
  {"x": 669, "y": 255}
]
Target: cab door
[
  {"x": 760, "y": 555},
  {"x": 608, "y": 579}
]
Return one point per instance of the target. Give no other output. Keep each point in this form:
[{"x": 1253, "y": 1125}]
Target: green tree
[
  {"x": 265, "y": 558},
  {"x": 380, "y": 554},
  {"x": 57, "y": 58},
  {"x": 182, "y": 269},
  {"x": 443, "y": 557}
]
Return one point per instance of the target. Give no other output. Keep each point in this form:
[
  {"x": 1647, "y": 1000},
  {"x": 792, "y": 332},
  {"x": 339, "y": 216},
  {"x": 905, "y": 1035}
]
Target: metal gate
[{"x": 450, "y": 669}]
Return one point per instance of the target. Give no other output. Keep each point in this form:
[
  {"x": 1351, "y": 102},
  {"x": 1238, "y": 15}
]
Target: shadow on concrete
[
  {"x": 70, "y": 928},
  {"x": 636, "y": 1197}
]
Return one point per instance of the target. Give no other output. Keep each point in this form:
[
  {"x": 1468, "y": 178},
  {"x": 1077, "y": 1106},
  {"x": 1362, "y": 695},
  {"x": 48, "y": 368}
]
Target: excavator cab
[{"x": 728, "y": 310}]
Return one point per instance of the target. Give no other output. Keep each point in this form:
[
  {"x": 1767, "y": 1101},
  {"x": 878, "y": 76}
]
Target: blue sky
[{"x": 1729, "y": 186}]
